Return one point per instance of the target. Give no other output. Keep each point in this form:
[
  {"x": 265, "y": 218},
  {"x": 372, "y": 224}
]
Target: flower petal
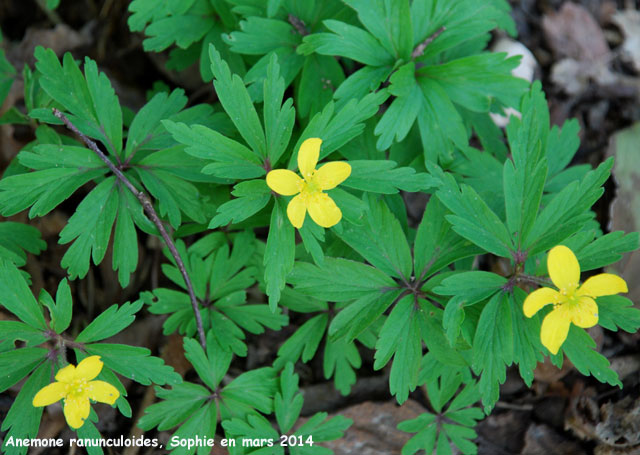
[
  {"x": 323, "y": 210},
  {"x": 332, "y": 174},
  {"x": 603, "y": 284},
  {"x": 103, "y": 392},
  {"x": 296, "y": 211},
  {"x": 585, "y": 313},
  {"x": 89, "y": 368},
  {"x": 76, "y": 410},
  {"x": 308, "y": 156},
  {"x": 538, "y": 299},
  {"x": 563, "y": 266},
  {"x": 555, "y": 329},
  {"x": 66, "y": 374},
  {"x": 50, "y": 394},
  {"x": 284, "y": 181}
]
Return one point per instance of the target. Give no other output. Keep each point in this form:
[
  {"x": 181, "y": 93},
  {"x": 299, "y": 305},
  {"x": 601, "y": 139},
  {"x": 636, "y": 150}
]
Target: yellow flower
[
  {"x": 314, "y": 181},
  {"x": 75, "y": 386},
  {"x": 572, "y": 303}
]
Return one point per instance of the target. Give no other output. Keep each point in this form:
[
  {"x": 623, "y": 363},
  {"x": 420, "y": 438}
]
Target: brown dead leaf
[
  {"x": 543, "y": 440},
  {"x": 573, "y": 32},
  {"x": 620, "y": 423},
  {"x": 61, "y": 39},
  {"x": 629, "y": 22},
  {"x": 374, "y": 430}
]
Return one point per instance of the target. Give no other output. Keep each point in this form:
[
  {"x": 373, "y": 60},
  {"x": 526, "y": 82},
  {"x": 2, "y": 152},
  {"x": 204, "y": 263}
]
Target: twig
[
  {"x": 419, "y": 50},
  {"x": 298, "y": 24},
  {"x": 148, "y": 208}
]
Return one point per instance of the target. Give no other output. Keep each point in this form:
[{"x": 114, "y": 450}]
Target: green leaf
[
  {"x": 111, "y": 321},
  {"x": 212, "y": 366},
  {"x": 7, "y": 75},
  {"x": 147, "y": 120},
  {"x": 381, "y": 242},
  {"x": 259, "y": 36},
  {"x": 125, "y": 240},
  {"x": 18, "y": 363},
  {"x": 425, "y": 439},
  {"x": 46, "y": 188},
  {"x": 320, "y": 431},
  {"x": 389, "y": 22},
  {"x": 339, "y": 280},
  {"x": 278, "y": 118},
  {"x": 279, "y": 252},
  {"x": 441, "y": 125},
  {"x": 251, "y": 197},
  {"x": 16, "y": 238},
  {"x": 436, "y": 245},
  {"x": 231, "y": 159},
  {"x": 346, "y": 41},
  {"x": 340, "y": 359},
  {"x": 527, "y": 349},
  {"x": 616, "y": 311},
  {"x": 251, "y": 390},
  {"x": 580, "y": 349},
  {"x": 304, "y": 343},
  {"x": 606, "y": 250},
  {"x": 14, "y": 330},
  {"x": 319, "y": 78},
  {"x": 355, "y": 318},
  {"x": 338, "y": 128},
  {"x": 400, "y": 338},
  {"x": 475, "y": 81},
  {"x": 16, "y": 297},
  {"x": 134, "y": 363},
  {"x": 61, "y": 311},
  {"x": 107, "y": 106},
  {"x": 176, "y": 406},
  {"x": 398, "y": 119},
  {"x": 183, "y": 30},
  {"x": 471, "y": 287},
  {"x": 493, "y": 348},
  {"x": 90, "y": 226},
  {"x": 92, "y": 101},
  {"x": 23, "y": 419},
  {"x": 382, "y": 176},
  {"x": 473, "y": 219},
  {"x": 236, "y": 102},
  {"x": 288, "y": 401},
  {"x": 565, "y": 214}
]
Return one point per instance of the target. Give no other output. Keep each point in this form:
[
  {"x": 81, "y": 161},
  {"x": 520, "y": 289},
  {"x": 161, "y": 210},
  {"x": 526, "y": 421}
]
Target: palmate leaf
[
  {"x": 220, "y": 278},
  {"x": 381, "y": 241},
  {"x": 16, "y": 239},
  {"x": 111, "y": 321},
  {"x": 580, "y": 349},
  {"x": 493, "y": 348},
  {"x": 135, "y": 363},
  {"x": 61, "y": 167},
  {"x": 16, "y": 297},
  {"x": 472, "y": 218},
  {"x": 91, "y": 100},
  {"x": 23, "y": 419},
  {"x": 279, "y": 253}
]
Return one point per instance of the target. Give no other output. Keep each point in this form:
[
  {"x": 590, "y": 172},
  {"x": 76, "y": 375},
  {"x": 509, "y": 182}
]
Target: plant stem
[
  {"x": 419, "y": 50},
  {"x": 148, "y": 208}
]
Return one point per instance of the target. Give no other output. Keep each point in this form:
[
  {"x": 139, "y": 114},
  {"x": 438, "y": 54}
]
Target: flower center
[
  {"x": 78, "y": 389},
  {"x": 568, "y": 294},
  {"x": 310, "y": 184}
]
